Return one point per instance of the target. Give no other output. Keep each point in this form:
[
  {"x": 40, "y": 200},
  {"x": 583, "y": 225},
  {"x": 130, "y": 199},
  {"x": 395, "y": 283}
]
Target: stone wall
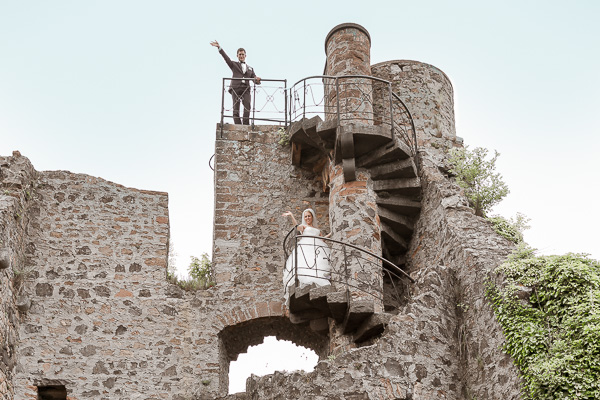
[
  {"x": 102, "y": 321},
  {"x": 105, "y": 323},
  {"x": 445, "y": 343},
  {"x": 254, "y": 184},
  {"x": 17, "y": 182},
  {"x": 466, "y": 249}
]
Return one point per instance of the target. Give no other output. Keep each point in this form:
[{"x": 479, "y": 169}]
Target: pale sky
[{"x": 130, "y": 91}]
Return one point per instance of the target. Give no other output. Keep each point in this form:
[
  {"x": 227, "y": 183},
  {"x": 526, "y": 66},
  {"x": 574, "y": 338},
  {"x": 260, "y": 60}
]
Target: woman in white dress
[{"x": 313, "y": 254}]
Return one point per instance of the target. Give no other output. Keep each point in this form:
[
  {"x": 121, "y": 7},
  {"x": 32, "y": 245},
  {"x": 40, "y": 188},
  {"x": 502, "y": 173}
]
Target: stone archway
[{"x": 235, "y": 340}]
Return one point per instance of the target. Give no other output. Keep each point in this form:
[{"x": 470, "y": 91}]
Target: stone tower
[{"x": 96, "y": 318}]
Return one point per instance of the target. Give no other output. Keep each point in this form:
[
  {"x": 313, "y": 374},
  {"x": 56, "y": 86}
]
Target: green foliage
[
  {"x": 549, "y": 309},
  {"x": 284, "y": 137},
  {"x": 511, "y": 229},
  {"x": 200, "y": 272},
  {"x": 483, "y": 187}
]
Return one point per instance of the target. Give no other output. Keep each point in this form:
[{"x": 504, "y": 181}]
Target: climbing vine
[
  {"x": 549, "y": 309},
  {"x": 284, "y": 137}
]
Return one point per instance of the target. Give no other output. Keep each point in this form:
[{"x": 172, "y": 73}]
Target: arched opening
[
  {"x": 266, "y": 358},
  {"x": 236, "y": 339}
]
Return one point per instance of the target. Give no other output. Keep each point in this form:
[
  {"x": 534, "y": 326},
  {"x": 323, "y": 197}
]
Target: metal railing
[
  {"x": 323, "y": 261},
  {"x": 351, "y": 98},
  {"x": 268, "y": 101}
]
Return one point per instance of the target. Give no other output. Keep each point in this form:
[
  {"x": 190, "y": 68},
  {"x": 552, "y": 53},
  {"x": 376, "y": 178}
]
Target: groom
[{"x": 239, "y": 88}]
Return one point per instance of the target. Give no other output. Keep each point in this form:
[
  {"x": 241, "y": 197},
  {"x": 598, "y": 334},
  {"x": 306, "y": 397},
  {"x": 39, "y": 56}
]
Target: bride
[{"x": 313, "y": 254}]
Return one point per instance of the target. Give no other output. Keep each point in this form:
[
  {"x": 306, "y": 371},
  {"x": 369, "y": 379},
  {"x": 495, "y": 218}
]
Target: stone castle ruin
[{"x": 87, "y": 312}]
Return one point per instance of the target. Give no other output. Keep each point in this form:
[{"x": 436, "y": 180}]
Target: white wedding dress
[{"x": 313, "y": 261}]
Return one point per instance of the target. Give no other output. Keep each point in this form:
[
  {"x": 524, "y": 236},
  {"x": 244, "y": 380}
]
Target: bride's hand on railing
[{"x": 328, "y": 235}]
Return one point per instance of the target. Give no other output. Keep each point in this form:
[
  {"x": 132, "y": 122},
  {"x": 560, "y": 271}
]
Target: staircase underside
[{"x": 312, "y": 305}]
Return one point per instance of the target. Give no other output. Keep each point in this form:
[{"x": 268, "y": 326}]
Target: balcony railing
[
  {"x": 320, "y": 260},
  {"x": 350, "y": 98},
  {"x": 268, "y": 102}
]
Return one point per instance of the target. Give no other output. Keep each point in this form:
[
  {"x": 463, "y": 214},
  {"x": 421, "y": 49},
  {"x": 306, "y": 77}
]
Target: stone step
[
  {"x": 300, "y": 298},
  {"x": 400, "y": 224},
  {"x": 358, "y": 311},
  {"x": 338, "y": 304},
  {"x": 309, "y": 301},
  {"x": 366, "y": 137},
  {"x": 396, "y": 169},
  {"x": 398, "y": 204},
  {"x": 318, "y": 297},
  {"x": 393, "y": 239},
  {"x": 327, "y": 131},
  {"x": 392, "y": 253},
  {"x": 410, "y": 187},
  {"x": 299, "y": 136},
  {"x": 374, "y": 325},
  {"x": 391, "y": 151},
  {"x": 310, "y": 128}
]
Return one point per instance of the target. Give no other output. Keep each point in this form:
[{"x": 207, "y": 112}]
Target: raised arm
[
  {"x": 289, "y": 214},
  {"x": 222, "y": 52}
]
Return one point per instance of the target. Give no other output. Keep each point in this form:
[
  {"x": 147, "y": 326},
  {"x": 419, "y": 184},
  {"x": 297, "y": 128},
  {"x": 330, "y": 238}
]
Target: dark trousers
[{"x": 241, "y": 95}]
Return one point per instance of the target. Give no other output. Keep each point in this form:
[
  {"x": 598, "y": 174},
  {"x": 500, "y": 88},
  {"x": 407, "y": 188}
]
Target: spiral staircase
[{"x": 394, "y": 171}]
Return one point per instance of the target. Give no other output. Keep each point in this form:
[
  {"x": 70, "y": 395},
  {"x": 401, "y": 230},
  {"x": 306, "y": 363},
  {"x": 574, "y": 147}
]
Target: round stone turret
[
  {"x": 427, "y": 92},
  {"x": 348, "y": 50}
]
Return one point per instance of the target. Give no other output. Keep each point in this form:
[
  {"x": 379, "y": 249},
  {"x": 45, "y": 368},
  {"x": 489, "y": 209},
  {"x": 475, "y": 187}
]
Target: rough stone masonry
[{"x": 85, "y": 302}]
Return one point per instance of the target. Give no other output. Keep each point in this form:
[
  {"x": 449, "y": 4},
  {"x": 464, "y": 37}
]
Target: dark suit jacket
[{"x": 236, "y": 68}]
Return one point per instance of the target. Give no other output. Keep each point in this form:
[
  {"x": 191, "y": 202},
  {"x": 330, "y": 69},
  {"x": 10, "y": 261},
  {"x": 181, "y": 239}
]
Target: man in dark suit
[{"x": 239, "y": 89}]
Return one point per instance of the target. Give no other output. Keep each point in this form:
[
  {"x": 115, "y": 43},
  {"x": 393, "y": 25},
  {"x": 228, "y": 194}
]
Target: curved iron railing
[
  {"x": 320, "y": 260},
  {"x": 353, "y": 97}
]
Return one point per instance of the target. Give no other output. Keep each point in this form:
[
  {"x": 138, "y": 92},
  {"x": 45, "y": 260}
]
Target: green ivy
[
  {"x": 284, "y": 137},
  {"x": 511, "y": 229},
  {"x": 549, "y": 309}
]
